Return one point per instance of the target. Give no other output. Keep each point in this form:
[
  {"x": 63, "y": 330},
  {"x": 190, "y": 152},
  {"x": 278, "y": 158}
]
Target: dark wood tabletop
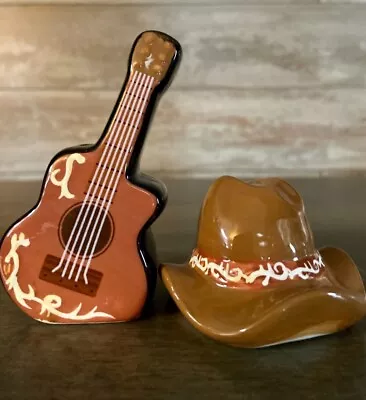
[{"x": 163, "y": 356}]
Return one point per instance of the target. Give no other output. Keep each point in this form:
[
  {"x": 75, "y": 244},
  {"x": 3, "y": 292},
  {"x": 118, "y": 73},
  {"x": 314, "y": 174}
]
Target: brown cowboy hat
[{"x": 255, "y": 277}]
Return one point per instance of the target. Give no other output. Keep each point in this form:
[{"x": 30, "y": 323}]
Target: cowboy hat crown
[{"x": 254, "y": 220}]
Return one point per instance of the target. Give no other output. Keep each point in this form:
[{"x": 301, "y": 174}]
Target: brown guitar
[{"x": 81, "y": 254}]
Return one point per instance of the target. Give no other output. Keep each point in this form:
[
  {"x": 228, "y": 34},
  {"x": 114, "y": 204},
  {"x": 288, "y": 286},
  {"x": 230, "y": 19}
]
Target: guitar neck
[
  {"x": 120, "y": 140},
  {"x": 153, "y": 59}
]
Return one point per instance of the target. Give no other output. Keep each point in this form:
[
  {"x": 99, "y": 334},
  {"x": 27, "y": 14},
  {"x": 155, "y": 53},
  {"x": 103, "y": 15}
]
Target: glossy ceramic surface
[
  {"x": 255, "y": 277},
  {"x": 81, "y": 254}
]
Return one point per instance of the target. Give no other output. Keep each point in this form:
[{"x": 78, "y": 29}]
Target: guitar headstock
[{"x": 153, "y": 54}]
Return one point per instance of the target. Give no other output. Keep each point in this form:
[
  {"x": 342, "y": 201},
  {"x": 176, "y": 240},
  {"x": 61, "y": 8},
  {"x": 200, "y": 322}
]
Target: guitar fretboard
[{"x": 127, "y": 122}]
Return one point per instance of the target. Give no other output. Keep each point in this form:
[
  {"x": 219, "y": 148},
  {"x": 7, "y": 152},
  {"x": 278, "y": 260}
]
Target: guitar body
[{"x": 81, "y": 254}]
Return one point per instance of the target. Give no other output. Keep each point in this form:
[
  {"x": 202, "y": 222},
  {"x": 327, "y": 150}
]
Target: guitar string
[
  {"x": 122, "y": 164},
  {"x": 119, "y": 169},
  {"x": 93, "y": 186},
  {"x": 92, "y": 206},
  {"x": 88, "y": 193},
  {"x": 113, "y": 167}
]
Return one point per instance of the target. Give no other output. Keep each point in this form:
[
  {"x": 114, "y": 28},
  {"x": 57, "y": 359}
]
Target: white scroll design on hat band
[{"x": 277, "y": 271}]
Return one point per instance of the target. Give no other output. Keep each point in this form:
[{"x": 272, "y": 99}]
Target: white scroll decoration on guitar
[{"x": 90, "y": 229}]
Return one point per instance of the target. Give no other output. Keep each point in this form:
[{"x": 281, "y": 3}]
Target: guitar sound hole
[{"x": 67, "y": 225}]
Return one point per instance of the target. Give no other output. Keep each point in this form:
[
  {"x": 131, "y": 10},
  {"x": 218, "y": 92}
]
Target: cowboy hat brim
[{"x": 272, "y": 315}]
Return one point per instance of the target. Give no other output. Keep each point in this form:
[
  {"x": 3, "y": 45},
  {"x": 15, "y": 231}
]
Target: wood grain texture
[
  {"x": 264, "y": 87},
  {"x": 177, "y": 2},
  {"x": 197, "y": 133},
  {"x": 157, "y": 2},
  {"x": 163, "y": 357},
  {"x": 86, "y": 46}
]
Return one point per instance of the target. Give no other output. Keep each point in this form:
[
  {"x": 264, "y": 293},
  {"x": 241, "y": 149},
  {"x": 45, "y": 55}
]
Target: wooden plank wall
[{"x": 266, "y": 87}]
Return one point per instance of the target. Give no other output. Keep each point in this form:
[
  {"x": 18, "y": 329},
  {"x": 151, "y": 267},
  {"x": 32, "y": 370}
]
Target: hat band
[{"x": 233, "y": 274}]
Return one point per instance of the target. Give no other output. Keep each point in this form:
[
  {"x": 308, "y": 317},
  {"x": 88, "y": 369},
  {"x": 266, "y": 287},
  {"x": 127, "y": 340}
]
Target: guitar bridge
[{"x": 90, "y": 289}]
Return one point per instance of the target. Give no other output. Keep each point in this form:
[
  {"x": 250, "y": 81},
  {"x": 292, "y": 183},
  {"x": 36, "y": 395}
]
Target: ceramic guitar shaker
[
  {"x": 81, "y": 255},
  {"x": 255, "y": 277}
]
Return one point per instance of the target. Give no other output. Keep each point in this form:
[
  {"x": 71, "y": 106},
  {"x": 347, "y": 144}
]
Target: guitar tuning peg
[
  {"x": 148, "y": 37},
  {"x": 144, "y": 50},
  {"x": 168, "y": 45},
  {"x": 157, "y": 68}
]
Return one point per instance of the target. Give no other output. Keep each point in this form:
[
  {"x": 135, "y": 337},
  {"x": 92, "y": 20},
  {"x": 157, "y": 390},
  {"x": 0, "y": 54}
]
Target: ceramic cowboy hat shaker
[{"x": 255, "y": 278}]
